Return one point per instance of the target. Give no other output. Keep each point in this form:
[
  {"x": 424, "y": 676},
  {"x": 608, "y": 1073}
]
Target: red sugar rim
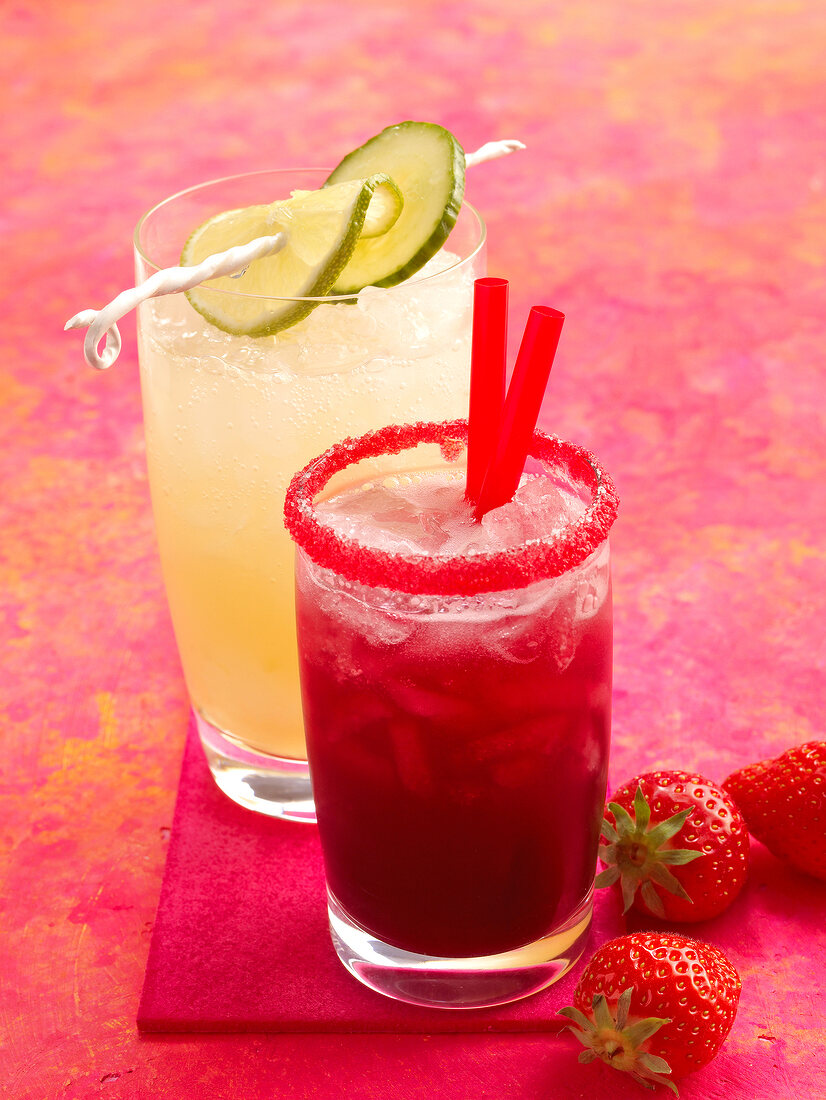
[{"x": 419, "y": 574}]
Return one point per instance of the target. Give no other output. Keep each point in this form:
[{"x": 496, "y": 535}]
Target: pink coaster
[{"x": 240, "y": 942}]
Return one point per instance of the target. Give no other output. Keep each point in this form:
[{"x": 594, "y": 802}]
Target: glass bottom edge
[
  {"x": 272, "y": 785},
  {"x": 458, "y": 983}
]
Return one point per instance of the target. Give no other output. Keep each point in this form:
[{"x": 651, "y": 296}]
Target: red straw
[
  {"x": 487, "y": 378},
  {"x": 521, "y": 409}
]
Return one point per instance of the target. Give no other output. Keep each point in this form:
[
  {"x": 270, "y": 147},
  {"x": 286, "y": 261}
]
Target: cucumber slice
[{"x": 428, "y": 164}]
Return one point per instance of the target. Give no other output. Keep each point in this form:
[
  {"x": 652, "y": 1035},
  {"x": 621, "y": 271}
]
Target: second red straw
[{"x": 521, "y": 408}]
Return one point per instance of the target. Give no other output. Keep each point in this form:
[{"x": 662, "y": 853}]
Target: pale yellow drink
[{"x": 228, "y": 421}]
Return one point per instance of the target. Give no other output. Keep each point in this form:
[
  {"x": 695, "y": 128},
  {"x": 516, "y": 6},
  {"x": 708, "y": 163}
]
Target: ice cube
[
  {"x": 541, "y": 631},
  {"x": 540, "y": 492},
  {"x": 518, "y": 771},
  {"x": 504, "y": 527},
  {"x": 364, "y": 709},
  {"x": 463, "y": 536},
  {"x": 421, "y": 316},
  {"x": 516, "y": 640},
  {"x": 592, "y": 587},
  {"x": 429, "y": 703},
  {"x": 388, "y": 629},
  {"x": 401, "y": 515},
  {"x": 544, "y": 508},
  {"x": 411, "y": 757}
]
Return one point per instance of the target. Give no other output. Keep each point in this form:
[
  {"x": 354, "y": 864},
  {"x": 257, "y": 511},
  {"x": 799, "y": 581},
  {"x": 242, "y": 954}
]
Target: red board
[{"x": 240, "y": 941}]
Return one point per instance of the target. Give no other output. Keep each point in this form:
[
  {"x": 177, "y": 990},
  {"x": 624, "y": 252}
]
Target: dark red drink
[{"x": 458, "y": 738}]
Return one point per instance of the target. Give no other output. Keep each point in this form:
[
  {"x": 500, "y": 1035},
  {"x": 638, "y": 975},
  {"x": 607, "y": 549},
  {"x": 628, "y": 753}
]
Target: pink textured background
[{"x": 672, "y": 201}]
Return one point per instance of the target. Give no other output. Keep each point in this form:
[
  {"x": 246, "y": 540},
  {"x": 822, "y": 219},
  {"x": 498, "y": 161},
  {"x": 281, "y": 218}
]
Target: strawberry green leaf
[
  {"x": 663, "y": 877},
  {"x": 602, "y": 1014},
  {"x": 577, "y": 1017},
  {"x": 623, "y": 1005},
  {"x": 607, "y": 877},
  {"x": 643, "y": 1029},
  {"x": 652, "y": 899},
  {"x": 626, "y": 826},
  {"x": 642, "y": 811},
  {"x": 679, "y": 856},
  {"x": 655, "y": 1063},
  {"x": 666, "y": 829},
  {"x": 629, "y": 890}
]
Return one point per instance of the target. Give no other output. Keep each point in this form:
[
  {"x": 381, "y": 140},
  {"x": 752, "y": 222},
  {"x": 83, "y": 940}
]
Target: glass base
[
  {"x": 458, "y": 983},
  {"x": 272, "y": 785}
]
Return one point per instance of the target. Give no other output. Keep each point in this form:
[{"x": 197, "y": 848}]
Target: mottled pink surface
[{"x": 672, "y": 201}]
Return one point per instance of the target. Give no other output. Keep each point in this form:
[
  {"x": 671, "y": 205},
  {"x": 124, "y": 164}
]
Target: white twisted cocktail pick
[
  {"x": 492, "y": 150},
  {"x": 172, "y": 280}
]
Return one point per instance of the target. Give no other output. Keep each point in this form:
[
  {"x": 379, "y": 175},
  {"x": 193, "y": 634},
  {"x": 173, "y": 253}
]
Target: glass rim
[
  {"x": 416, "y": 278},
  {"x": 463, "y": 575}
]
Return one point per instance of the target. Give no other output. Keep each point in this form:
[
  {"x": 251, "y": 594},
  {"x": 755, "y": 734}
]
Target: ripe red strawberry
[
  {"x": 784, "y": 804},
  {"x": 677, "y": 845},
  {"x": 654, "y": 1004}
]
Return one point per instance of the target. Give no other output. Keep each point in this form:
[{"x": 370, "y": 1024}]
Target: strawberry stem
[
  {"x": 617, "y": 1043},
  {"x": 635, "y": 857}
]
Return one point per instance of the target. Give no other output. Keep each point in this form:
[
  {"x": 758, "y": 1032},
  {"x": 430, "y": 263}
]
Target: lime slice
[
  {"x": 385, "y": 209},
  {"x": 428, "y": 164},
  {"x": 386, "y": 204},
  {"x": 322, "y": 229}
]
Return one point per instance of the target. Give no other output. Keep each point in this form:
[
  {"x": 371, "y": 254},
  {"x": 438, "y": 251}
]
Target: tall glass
[
  {"x": 228, "y": 419},
  {"x": 457, "y": 705}
]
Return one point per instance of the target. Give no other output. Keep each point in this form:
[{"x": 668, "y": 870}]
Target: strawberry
[
  {"x": 784, "y": 804},
  {"x": 654, "y": 1004},
  {"x": 677, "y": 845}
]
